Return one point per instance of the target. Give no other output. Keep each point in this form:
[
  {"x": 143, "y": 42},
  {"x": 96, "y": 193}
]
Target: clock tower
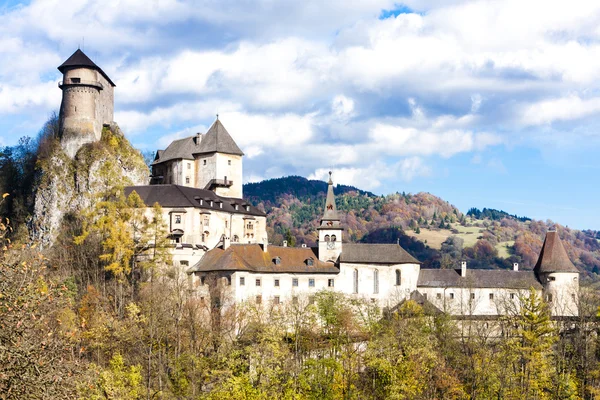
[{"x": 330, "y": 231}]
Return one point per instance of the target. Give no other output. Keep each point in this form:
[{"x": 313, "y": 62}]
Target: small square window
[
  {"x": 189, "y": 166},
  {"x": 512, "y": 296},
  {"x": 330, "y": 282},
  {"x": 242, "y": 281},
  {"x": 258, "y": 299},
  {"x": 277, "y": 282},
  {"x": 295, "y": 282},
  {"x": 178, "y": 219},
  {"x": 184, "y": 263},
  {"x": 491, "y": 296},
  {"x": 311, "y": 299},
  {"x": 552, "y": 278},
  {"x": 276, "y": 300},
  {"x": 295, "y": 300},
  {"x": 228, "y": 162},
  {"x": 451, "y": 296},
  {"x": 311, "y": 282},
  {"x": 204, "y": 162},
  {"x": 187, "y": 180},
  {"x": 438, "y": 296},
  {"x": 472, "y": 296},
  {"x": 549, "y": 298},
  {"x": 258, "y": 282},
  {"x": 425, "y": 296}
]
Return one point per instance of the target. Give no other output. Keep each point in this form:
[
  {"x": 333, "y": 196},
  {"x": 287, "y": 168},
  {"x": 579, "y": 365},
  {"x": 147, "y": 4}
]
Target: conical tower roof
[
  {"x": 553, "y": 257},
  {"x": 330, "y": 216},
  {"x": 218, "y": 140},
  {"x": 80, "y": 60}
]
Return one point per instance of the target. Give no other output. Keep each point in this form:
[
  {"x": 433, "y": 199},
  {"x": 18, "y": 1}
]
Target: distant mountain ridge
[{"x": 431, "y": 229}]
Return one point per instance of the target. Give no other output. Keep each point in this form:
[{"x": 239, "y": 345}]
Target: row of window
[
  {"x": 277, "y": 300},
  {"x": 451, "y": 296},
  {"x": 189, "y": 165},
  {"x": 295, "y": 282},
  {"x": 375, "y": 280}
]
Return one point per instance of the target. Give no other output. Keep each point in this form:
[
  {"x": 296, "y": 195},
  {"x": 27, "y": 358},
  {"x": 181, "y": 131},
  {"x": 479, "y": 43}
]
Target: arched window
[
  {"x": 327, "y": 238},
  {"x": 376, "y": 281},
  {"x": 398, "y": 278},
  {"x": 355, "y": 281},
  {"x": 333, "y": 238}
]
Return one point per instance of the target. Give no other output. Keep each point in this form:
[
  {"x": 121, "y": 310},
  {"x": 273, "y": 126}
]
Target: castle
[{"x": 221, "y": 240}]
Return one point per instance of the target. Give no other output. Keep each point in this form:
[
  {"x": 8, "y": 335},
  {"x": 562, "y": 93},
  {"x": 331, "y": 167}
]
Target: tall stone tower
[
  {"x": 87, "y": 102},
  {"x": 330, "y": 231}
]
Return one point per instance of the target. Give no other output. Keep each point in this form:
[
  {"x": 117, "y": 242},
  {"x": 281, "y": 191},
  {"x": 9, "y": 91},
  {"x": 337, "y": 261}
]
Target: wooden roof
[{"x": 553, "y": 257}]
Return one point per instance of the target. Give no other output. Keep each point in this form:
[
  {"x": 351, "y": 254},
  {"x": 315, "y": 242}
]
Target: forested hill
[
  {"x": 433, "y": 230},
  {"x": 268, "y": 192}
]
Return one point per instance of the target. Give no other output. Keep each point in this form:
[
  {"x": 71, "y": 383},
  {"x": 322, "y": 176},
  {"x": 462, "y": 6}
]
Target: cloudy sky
[{"x": 484, "y": 103}]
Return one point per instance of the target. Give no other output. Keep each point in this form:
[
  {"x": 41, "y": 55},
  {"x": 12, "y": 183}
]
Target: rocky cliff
[{"x": 71, "y": 185}]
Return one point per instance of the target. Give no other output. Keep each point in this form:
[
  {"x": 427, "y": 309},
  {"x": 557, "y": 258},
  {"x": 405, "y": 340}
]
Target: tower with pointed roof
[
  {"x": 219, "y": 162},
  {"x": 211, "y": 161},
  {"x": 87, "y": 102},
  {"x": 558, "y": 276},
  {"x": 330, "y": 230}
]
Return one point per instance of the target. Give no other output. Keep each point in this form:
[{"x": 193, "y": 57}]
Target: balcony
[
  {"x": 79, "y": 82},
  {"x": 218, "y": 183}
]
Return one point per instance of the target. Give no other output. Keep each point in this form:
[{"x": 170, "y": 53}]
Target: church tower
[
  {"x": 87, "y": 102},
  {"x": 330, "y": 231},
  {"x": 558, "y": 276}
]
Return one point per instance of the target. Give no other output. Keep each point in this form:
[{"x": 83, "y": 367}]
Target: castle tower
[
  {"x": 219, "y": 162},
  {"x": 559, "y": 277},
  {"x": 330, "y": 231},
  {"x": 87, "y": 102}
]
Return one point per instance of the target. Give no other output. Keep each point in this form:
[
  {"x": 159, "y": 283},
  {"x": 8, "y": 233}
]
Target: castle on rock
[{"x": 221, "y": 240}]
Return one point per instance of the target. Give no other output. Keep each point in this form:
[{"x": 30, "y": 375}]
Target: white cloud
[
  {"x": 559, "y": 109},
  {"x": 342, "y": 107},
  {"x": 371, "y": 176},
  {"x": 398, "y": 140}
]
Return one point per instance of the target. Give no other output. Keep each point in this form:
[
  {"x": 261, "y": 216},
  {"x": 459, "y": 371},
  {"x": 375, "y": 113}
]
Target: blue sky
[{"x": 485, "y": 104}]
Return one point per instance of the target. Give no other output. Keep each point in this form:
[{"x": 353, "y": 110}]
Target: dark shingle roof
[
  {"x": 478, "y": 278},
  {"x": 176, "y": 196},
  {"x": 180, "y": 149},
  {"x": 79, "y": 59},
  {"x": 330, "y": 213},
  {"x": 553, "y": 257},
  {"x": 251, "y": 257},
  {"x": 218, "y": 140},
  {"x": 376, "y": 254}
]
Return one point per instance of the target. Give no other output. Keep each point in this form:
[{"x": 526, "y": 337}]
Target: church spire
[{"x": 330, "y": 216}]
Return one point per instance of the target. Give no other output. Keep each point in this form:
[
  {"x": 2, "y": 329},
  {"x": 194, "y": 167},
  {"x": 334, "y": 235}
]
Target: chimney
[
  {"x": 515, "y": 266},
  {"x": 226, "y": 242},
  {"x": 265, "y": 245},
  {"x": 463, "y": 269},
  {"x": 285, "y": 243}
]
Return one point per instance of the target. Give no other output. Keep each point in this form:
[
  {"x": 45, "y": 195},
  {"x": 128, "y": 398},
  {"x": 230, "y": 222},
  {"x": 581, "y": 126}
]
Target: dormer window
[
  {"x": 277, "y": 260},
  {"x": 211, "y": 203},
  {"x": 247, "y": 208},
  {"x": 310, "y": 262},
  {"x": 236, "y": 207}
]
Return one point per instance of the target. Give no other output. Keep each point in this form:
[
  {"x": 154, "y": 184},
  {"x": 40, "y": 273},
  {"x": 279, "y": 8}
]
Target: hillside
[{"x": 433, "y": 230}]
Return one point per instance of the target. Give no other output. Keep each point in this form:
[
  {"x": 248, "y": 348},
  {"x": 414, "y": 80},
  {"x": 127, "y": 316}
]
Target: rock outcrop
[{"x": 72, "y": 185}]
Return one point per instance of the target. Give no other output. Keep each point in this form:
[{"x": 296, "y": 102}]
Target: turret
[
  {"x": 330, "y": 231},
  {"x": 558, "y": 276},
  {"x": 87, "y": 102}
]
